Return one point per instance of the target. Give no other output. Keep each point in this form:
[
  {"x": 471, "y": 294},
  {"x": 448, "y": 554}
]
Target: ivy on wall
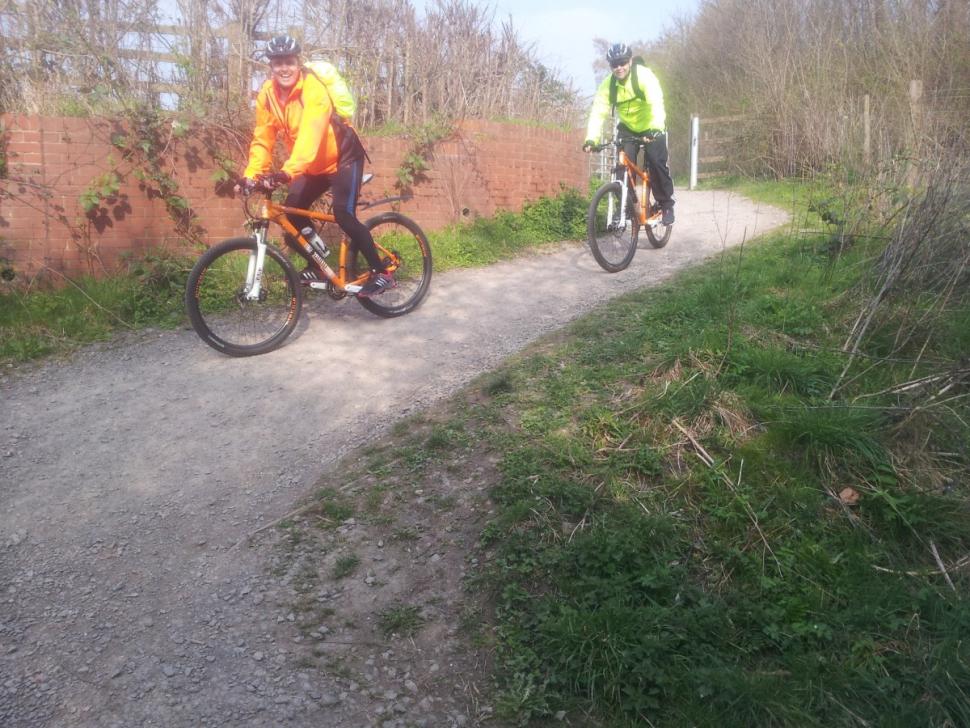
[
  {"x": 145, "y": 140},
  {"x": 418, "y": 157}
]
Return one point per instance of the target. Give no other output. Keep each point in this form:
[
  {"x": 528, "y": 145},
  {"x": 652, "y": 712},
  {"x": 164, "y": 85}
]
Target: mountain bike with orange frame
[
  {"x": 620, "y": 208},
  {"x": 244, "y": 295}
]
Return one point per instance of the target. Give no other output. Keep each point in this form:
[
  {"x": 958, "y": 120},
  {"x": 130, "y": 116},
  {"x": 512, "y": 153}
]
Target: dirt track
[{"x": 128, "y": 473}]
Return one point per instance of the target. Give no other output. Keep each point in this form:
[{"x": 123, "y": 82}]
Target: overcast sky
[{"x": 563, "y": 30}]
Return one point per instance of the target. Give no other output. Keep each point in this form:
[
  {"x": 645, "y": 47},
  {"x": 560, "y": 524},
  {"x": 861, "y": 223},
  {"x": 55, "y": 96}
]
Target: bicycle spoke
[
  {"x": 224, "y": 313},
  {"x": 612, "y": 236},
  {"x": 404, "y": 248}
]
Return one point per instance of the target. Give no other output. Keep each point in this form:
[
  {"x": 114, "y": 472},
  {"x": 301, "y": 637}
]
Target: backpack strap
[{"x": 637, "y": 91}]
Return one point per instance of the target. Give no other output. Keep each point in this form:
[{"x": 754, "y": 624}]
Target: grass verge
[
  {"x": 690, "y": 531},
  {"x": 57, "y": 319}
]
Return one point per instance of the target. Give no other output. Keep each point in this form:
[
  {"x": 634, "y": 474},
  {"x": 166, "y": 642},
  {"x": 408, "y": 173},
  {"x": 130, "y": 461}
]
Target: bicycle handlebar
[
  {"x": 264, "y": 186},
  {"x": 620, "y": 142}
]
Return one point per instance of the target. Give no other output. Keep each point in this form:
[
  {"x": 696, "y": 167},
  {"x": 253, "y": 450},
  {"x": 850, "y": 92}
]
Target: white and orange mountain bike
[
  {"x": 620, "y": 209},
  {"x": 244, "y": 295}
]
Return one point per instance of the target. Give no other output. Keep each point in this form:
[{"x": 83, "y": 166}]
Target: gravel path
[{"x": 130, "y": 473}]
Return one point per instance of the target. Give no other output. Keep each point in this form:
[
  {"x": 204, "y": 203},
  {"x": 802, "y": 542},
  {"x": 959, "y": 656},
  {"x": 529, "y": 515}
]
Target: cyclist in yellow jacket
[
  {"x": 324, "y": 153},
  {"x": 634, "y": 91}
]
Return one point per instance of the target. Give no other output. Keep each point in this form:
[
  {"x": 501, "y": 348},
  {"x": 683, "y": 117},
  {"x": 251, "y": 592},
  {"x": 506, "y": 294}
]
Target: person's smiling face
[
  {"x": 286, "y": 71},
  {"x": 621, "y": 70}
]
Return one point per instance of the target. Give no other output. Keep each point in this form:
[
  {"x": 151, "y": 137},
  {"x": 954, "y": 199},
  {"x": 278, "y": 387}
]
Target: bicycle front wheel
[
  {"x": 223, "y": 313},
  {"x": 404, "y": 248},
  {"x": 612, "y": 235}
]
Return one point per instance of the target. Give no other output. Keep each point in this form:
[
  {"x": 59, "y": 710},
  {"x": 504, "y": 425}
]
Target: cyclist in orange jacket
[{"x": 324, "y": 153}]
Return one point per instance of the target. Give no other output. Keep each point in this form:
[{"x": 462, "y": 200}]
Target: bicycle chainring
[{"x": 334, "y": 293}]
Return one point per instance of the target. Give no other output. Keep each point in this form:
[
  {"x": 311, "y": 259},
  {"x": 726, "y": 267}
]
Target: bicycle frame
[
  {"x": 630, "y": 169},
  {"x": 271, "y": 212}
]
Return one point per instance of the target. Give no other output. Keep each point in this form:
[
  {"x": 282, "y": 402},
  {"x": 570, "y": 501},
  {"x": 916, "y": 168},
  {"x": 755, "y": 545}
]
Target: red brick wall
[{"x": 483, "y": 167}]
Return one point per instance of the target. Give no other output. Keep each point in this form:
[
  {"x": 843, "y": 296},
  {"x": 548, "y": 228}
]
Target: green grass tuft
[{"x": 403, "y": 620}]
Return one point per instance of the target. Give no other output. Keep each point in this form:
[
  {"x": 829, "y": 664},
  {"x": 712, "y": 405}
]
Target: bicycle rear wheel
[
  {"x": 220, "y": 311},
  {"x": 612, "y": 239},
  {"x": 402, "y": 244},
  {"x": 658, "y": 234}
]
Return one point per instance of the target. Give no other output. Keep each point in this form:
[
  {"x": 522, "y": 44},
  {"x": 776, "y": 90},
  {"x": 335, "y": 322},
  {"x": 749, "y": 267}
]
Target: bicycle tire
[
  {"x": 400, "y": 239},
  {"x": 612, "y": 247},
  {"x": 658, "y": 240},
  {"x": 223, "y": 319}
]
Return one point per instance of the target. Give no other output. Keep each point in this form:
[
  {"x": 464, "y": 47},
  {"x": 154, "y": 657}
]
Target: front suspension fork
[
  {"x": 621, "y": 177},
  {"x": 254, "y": 270}
]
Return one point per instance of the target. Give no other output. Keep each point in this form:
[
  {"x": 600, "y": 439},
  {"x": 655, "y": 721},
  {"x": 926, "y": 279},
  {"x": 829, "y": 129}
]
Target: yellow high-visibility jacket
[{"x": 636, "y": 113}]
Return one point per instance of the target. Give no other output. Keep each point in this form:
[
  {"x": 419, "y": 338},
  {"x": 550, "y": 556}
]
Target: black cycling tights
[{"x": 345, "y": 184}]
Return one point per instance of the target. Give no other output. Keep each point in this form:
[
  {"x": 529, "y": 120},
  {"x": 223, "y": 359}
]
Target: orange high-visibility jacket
[{"x": 304, "y": 121}]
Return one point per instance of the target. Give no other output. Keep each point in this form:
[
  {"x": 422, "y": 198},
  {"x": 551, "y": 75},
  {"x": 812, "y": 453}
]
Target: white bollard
[{"x": 695, "y": 126}]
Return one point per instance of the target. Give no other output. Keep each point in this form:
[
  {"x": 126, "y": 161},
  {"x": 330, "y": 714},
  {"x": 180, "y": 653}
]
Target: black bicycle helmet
[
  {"x": 282, "y": 45},
  {"x": 618, "y": 54}
]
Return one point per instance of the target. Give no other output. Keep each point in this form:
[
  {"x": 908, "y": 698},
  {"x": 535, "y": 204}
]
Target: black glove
[
  {"x": 651, "y": 134},
  {"x": 273, "y": 180},
  {"x": 246, "y": 186}
]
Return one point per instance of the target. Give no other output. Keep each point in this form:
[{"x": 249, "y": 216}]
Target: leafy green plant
[
  {"x": 416, "y": 160},
  {"x": 160, "y": 278},
  {"x": 7, "y": 271},
  {"x": 144, "y": 142},
  {"x": 411, "y": 169},
  {"x": 225, "y": 171},
  {"x": 102, "y": 191}
]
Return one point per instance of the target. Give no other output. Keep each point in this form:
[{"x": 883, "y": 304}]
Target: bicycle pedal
[{"x": 318, "y": 285}]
